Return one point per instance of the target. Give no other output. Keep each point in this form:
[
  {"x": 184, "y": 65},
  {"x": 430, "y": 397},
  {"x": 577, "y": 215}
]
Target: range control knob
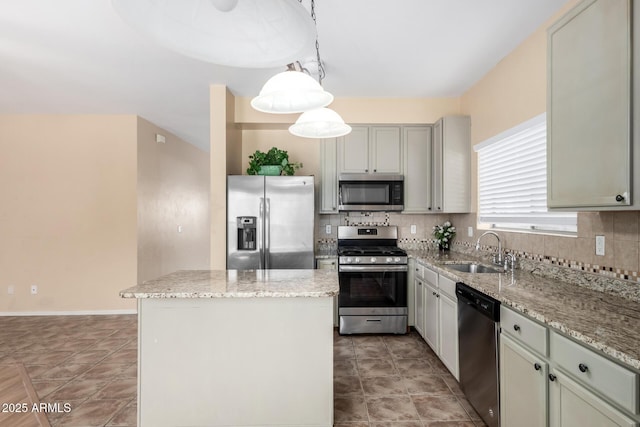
[
  {"x": 389, "y": 260},
  {"x": 373, "y": 260},
  {"x": 357, "y": 260},
  {"x": 347, "y": 261},
  {"x": 396, "y": 259}
]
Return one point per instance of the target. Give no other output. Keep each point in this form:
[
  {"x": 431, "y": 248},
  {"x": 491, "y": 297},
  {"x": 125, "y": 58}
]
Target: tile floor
[
  {"x": 86, "y": 361},
  {"x": 395, "y": 381},
  {"x": 90, "y": 363}
]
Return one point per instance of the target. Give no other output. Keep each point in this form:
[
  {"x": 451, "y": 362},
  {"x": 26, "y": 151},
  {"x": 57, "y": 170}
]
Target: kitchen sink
[{"x": 473, "y": 268}]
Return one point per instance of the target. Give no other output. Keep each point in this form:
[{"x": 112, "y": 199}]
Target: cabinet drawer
[
  {"x": 430, "y": 276},
  {"x": 602, "y": 375},
  {"x": 524, "y": 330},
  {"x": 447, "y": 287},
  {"x": 419, "y": 270}
]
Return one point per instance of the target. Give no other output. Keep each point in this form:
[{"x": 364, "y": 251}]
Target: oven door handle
[{"x": 371, "y": 268}]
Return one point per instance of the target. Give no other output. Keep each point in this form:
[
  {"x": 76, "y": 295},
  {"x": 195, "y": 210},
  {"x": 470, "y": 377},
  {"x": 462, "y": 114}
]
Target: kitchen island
[{"x": 236, "y": 348}]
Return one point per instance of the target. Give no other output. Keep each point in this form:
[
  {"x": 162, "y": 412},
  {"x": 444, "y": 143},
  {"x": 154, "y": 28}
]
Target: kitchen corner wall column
[{"x": 225, "y": 159}]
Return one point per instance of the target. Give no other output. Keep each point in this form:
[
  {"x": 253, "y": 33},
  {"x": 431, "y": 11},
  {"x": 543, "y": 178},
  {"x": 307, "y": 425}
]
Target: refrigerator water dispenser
[{"x": 247, "y": 233}]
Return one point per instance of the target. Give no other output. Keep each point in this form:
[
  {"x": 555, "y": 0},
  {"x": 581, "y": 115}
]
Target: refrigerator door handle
[
  {"x": 267, "y": 233},
  {"x": 261, "y": 234}
]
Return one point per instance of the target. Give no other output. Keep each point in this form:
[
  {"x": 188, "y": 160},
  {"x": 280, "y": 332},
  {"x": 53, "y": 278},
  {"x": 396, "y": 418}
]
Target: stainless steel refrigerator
[{"x": 270, "y": 222}]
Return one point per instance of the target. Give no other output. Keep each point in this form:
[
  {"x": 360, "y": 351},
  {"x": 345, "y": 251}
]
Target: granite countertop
[
  {"x": 239, "y": 284},
  {"x": 604, "y": 322}
]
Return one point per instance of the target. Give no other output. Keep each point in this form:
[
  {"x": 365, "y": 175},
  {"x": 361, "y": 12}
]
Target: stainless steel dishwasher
[{"x": 478, "y": 317}]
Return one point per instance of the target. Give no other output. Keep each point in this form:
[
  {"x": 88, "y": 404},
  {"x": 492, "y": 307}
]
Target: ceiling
[{"x": 79, "y": 57}]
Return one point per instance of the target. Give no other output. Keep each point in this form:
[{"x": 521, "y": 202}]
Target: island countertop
[{"x": 238, "y": 284}]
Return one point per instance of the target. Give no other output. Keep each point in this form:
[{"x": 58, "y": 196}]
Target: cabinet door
[
  {"x": 411, "y": 292},
  {"x": 589, "y": 106},
  {"x": 386, "y": 149},
  {"x": 455, "y": 172},
  {"x": 572, "y": 405},
  {"x": 419, "y": 306},
  {"x": 328, "y": 178},
  {"x": 448, "y": 333},
  {"x": 523, "y": 386},
  {"x": 436, "y": 167},
  {"x": 431, "y": 316},
  {"x": 416, "y": 165},
  {"x": 353, "y": 151}
]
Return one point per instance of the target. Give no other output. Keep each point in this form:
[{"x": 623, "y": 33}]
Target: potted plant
[
  {"x": 444, "y": 234},
  {"x": 273, "y": 162}
]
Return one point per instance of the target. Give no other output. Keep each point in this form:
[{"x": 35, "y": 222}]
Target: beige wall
[
  {"x": 68, "y": 211},
  {"x": 173, "y": 190}
]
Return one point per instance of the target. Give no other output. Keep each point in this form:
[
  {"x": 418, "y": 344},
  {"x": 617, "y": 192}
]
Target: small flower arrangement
[{"x": 444, "y": 234}]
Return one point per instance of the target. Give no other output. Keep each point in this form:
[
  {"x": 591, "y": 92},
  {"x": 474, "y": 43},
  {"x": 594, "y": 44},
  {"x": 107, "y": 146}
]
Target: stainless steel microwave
[{"x": 370, "y": 192}]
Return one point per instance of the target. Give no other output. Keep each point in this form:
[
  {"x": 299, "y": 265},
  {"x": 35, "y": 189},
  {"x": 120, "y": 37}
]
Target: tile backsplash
[{"x": 621, "y": 231}]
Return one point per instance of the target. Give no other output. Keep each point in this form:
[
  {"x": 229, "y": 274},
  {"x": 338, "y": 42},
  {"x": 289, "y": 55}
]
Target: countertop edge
[{"x": 216, "y": 295}]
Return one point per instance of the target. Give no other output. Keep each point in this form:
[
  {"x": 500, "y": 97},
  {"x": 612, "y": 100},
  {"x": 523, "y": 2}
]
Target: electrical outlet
[
  {"x": 11, "y": 290},
  {"x": 414, "y": 229},
  {"x": 470, "y": 231},
  {"x": 34, "y": 289},
  {"x": 600, "y": 245},
  {"x": 327, "y": 229},
  {"x": 179, "y": 229}
]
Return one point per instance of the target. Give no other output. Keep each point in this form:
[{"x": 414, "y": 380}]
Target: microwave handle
[{"x": 339, "y": 195}]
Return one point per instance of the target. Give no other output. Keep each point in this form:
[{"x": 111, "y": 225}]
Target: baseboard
[{"x": 68, "y": 313}]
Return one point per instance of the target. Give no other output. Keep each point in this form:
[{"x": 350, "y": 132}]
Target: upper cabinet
[
  {"x": 371, "y": 149},
  {"x": 589, "y": 111},
  {"x": 416, "y": 162},
  {"x": 451, "y": 165},
  {"x": 434, "y": 159}
]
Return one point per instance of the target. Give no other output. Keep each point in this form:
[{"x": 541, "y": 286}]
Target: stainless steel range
[{"x": 372, "y": 271}]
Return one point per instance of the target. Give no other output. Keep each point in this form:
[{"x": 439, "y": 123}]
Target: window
[{"x": 512, "y": 181}]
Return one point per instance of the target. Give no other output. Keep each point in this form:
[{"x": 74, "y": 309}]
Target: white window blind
[{"x": 512, "y": 181}]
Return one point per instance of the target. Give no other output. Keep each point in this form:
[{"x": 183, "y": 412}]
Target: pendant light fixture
[
  {"x": 295, "y": 91},
  {"x": 236, "y": 33},
  {"x": 292, "y": 91},
  {"x": 320, "y": 123}
]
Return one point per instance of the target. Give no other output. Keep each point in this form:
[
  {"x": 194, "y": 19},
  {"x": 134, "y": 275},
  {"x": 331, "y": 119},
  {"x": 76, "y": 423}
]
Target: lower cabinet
[
  {"x": 538, "y": 385},
  {"x": 436, "y": 315},
  {"x": 523, "y": 386},
  {"x": 572, "y": 405}
]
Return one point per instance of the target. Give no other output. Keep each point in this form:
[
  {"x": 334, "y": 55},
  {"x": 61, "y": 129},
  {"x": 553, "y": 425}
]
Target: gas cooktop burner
[{"x": 371, "y": 250}]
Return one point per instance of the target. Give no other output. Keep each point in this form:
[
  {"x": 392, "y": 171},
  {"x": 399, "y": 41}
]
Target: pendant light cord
[{"x": 321, "y": 72}]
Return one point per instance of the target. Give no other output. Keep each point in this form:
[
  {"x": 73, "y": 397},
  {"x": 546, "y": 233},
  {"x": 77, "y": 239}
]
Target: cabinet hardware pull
[
  {"x": 438, "y": 296},
  {"x": 433, "y": 293},
  {"x": 552, "y": 377},
  {"x": 516, "y": 327},
  {"x": 375, "y": 170},
  {"x": 537, "y": 366},
  {"x": 583, "y": 367},
  {"x": 619, "y": 198},
  {"x": 366, "y": 170}
]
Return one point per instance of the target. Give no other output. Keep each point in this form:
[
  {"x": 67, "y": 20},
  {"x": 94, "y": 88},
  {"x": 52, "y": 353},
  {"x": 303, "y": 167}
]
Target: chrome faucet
[{"x": 496, "y": 259}]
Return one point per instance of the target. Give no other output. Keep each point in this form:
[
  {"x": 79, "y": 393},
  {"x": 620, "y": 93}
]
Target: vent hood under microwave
[{"x": 370, "y": 192}]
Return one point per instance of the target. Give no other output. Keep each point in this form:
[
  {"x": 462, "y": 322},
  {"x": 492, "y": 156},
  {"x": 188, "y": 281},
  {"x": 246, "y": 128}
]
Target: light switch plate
[
  {"x": 414, "y": 229},
  {"x": 11, "y": 290},
  {"x": 600, "y": 245},
  {"x": 470, "y": 231},
  {"x": 327, "y": 229}
]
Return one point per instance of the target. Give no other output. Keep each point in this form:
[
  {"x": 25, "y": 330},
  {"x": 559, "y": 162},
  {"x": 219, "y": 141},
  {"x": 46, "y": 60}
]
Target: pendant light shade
[
  {"x": 237, "y": 33},
  {"x": 291, "y": 92},
  {"x": 320, "y": 123}
]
